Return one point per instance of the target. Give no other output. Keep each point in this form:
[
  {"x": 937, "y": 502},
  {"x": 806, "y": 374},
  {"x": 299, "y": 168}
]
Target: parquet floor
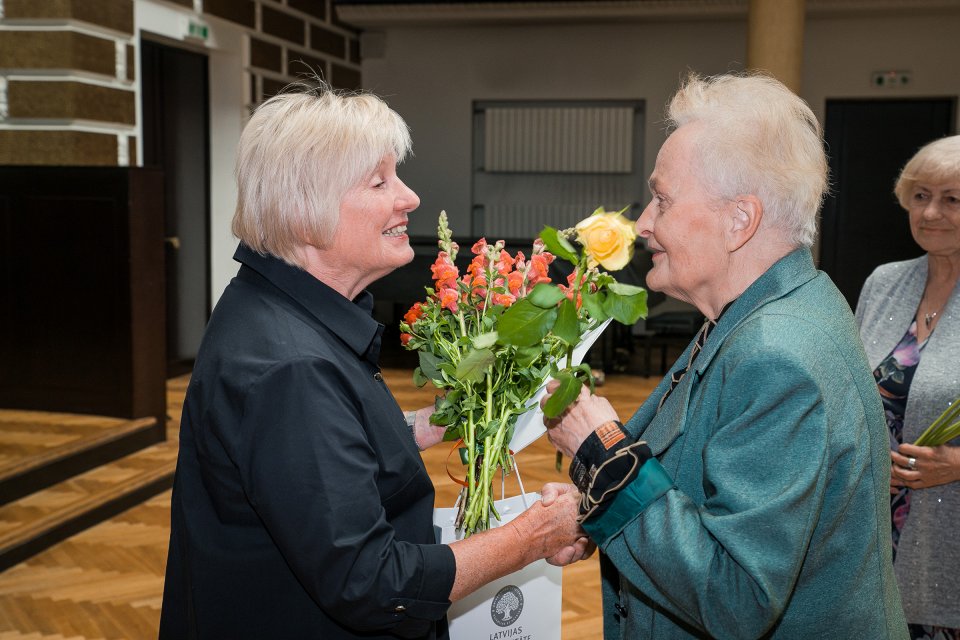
[
  {"x": 107, "y": 582},
  {"x": 29, "y": 439}
]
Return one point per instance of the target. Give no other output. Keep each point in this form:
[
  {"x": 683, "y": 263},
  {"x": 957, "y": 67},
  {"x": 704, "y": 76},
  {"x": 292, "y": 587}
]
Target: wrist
[{"x": 607, "y": 461}]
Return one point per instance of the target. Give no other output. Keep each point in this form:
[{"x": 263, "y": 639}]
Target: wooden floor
[{"x": 107, "y": 582}]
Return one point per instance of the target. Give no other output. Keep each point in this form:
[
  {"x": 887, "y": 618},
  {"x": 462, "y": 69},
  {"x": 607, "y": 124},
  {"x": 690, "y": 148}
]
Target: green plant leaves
[
  {"x": 484, "y": 340},
  {"x": 430, "y": 365},
  {"x": 546, "y": 296},
  {"x": 418, "y": 378},
  {"x": 558, "y": 245},
  {"x": 525, "y": 324},
  {"x": 626, "y": 309},
  {"x": 623, "y": 289},
  {"x": 565, "y": 394},
  {"x": 567, "y": 326},
  {"x": 593, "y": 303},
  {"x": 474, "y": 366}
]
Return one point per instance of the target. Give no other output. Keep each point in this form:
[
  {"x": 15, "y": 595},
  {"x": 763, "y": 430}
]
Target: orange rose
[{"x": 414, "y": 314}]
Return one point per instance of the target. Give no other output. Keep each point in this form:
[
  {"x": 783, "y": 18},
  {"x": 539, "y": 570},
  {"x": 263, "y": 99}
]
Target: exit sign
[
  {"x": 892, "y": 78},
  {"x": 197, "y": 30}
]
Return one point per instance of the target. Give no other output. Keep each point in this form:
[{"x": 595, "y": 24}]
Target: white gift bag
[{"x": 524, "y": 605}]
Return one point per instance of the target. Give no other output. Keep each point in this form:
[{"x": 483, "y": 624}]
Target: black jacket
[{"x": 301, "y": 506}]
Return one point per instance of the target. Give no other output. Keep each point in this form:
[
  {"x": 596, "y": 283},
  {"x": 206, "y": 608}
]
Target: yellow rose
[{"x": 607, "y": 238}]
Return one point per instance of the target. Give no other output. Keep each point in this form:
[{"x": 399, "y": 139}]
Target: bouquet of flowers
[
  {"x": 492, "y": 337},
  {"x": 943, "y": 429}
]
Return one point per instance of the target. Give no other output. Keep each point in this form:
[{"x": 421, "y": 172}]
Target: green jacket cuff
[{"x": 651, "y": 482}]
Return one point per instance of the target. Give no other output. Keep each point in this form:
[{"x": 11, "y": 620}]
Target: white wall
[
  {"x": 841, "y": 53},
  {"x": 432, "y": 75}
]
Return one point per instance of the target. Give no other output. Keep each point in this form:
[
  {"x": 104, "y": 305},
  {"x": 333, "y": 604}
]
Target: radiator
[{"x": 558, "y": 139}]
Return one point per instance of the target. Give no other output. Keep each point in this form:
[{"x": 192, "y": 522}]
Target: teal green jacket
[{"x": 766, "y": 512}]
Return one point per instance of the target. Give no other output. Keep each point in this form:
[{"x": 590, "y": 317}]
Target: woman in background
[{"x": 909, "y": 317}]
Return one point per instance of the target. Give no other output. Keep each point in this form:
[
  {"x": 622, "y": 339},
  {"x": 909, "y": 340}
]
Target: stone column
[{"x": 775, "y": 39}]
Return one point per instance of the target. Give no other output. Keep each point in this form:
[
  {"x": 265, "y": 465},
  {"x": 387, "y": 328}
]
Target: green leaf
[
  {"x": 585, "y": 372},
  {"x": 488, "y": 429},
  {"x": 526, "y": 356},
  {"x": 485, "y": 340},
  {"x": 418, "y": 378},
  {"x": 525, "y": 324},
  {"x": 474, "y": 367},
  {"x": 546, "y": 296},
  {"x": 626, "y": 309},
  {"x": 429, "y": 365},
  {"x": 593, "y": 303},
  {"x": 624, "y": 289},
  {"x": 443, "y": 418},
  {"x": 558, "y": 245},
  {"x": 567, "y": 326},
  {"x": 565, "y": 394},
  {"x": 448, "y": 368}
]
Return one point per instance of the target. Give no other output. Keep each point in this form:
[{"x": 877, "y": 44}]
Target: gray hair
[
  {"x": 937, "y": 162},
  {"x": 757, "y": 138},
  {"x": 299, "y": 155}
]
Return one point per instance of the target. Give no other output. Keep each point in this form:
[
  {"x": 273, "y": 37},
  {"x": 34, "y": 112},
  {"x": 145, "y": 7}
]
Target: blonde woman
[
  {"x": 301, "y": 507},
  {"x": 909, "y": 317}
]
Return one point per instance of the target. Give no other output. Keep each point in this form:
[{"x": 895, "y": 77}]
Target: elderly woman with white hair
[
  {"x": 747, "y": 497},
  {"x": 301, "y": 507},
  {"x": 909, "y": 316}
]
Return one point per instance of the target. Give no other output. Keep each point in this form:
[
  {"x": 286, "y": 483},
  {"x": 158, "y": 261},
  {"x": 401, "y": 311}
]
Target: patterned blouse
[{"x": 894, "y": 375}]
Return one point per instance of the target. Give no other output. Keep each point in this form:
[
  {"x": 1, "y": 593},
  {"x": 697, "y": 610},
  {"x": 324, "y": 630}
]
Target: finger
[
  {"x": 563, "y": 557},
  {"x": 907, "y": 450},
  {"x": 901, "y": 460},
  {"x": 551, "y": 491},
  {"x": 552, "y": 386},
  {"x": 588, "y": 548}
]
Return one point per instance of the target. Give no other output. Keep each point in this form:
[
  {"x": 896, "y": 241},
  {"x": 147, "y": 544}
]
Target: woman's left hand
[
  {"x": 933, "y": 466},
  {"x": 425, "y": 433},
  {"x": 567, "y": 431}
]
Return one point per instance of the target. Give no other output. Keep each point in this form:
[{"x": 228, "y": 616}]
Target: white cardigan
[{"x": 928, "y": 555}]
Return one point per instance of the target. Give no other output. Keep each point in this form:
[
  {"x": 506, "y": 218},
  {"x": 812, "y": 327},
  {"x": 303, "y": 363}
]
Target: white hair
[
  {"x": 937, "y": 162},
  {"x": 299, "y": 155},
  {"x": 757, "y": 138}
]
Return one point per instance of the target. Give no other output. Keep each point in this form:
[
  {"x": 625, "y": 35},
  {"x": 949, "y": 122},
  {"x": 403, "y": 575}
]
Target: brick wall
[{"x": 68, "y": 82}]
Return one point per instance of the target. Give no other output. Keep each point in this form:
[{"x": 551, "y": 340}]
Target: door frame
[{"x": 226, "y": 48}]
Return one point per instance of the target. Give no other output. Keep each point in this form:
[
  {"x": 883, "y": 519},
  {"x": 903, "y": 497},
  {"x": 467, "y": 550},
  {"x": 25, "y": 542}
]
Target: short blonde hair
[
  {"x": 937, "y": 162},
  {"x": 758, "y": 138},
  {"x": 299, "y": 155}
]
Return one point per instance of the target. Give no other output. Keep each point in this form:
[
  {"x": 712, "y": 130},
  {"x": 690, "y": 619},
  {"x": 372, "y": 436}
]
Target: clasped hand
[{"x": 933, "y": 466}]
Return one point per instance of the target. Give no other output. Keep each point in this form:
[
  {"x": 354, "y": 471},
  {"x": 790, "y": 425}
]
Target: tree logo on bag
[{"x": 506, "y": 606}]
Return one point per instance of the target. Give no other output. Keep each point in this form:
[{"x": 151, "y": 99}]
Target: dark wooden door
[
  {"x": 869, "y": 141},
  {"x": 176, "y": 139},
  {"x": 81, "y": 283}
]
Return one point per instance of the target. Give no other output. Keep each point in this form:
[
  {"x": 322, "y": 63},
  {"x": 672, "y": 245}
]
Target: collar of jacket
[
  {"x": 351, "y": 321},
  {"x": 788, "y": 273}
]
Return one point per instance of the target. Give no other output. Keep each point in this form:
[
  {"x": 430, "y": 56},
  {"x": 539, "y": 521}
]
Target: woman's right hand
[
  {"x": 549, "y": 528},
  {"x": 932, "y": 466}
]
